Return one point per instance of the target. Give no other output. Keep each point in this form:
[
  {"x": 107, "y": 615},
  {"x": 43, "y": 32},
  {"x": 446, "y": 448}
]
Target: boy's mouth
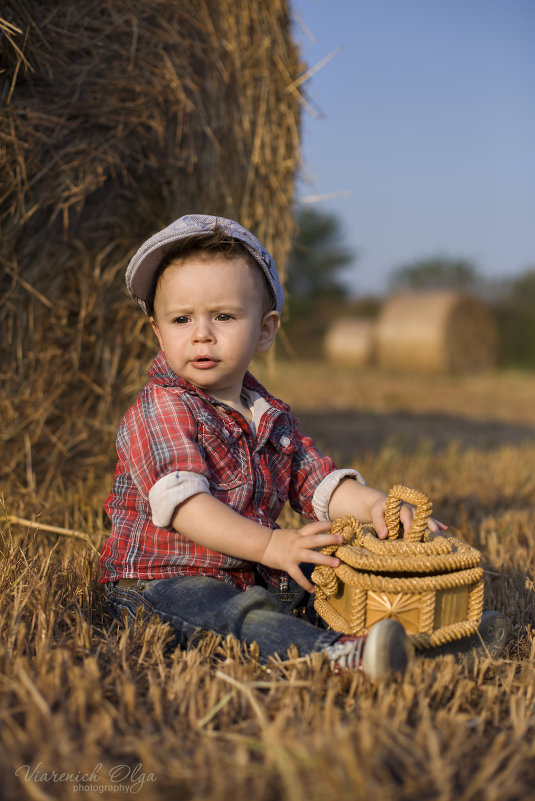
[{"x": 204, "y": 362}]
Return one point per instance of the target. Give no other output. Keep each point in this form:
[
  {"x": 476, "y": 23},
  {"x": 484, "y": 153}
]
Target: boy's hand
[
  {"x": 406, "y": 514},
  {"x": 289, "y": 547},
  {"x": 368, "y": 505}
]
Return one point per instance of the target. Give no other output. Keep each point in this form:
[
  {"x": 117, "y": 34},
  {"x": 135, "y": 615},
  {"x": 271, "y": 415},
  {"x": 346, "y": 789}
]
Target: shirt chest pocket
[
  {"x": 225, "y": 458},
  {"x": 280, "y": 450}
]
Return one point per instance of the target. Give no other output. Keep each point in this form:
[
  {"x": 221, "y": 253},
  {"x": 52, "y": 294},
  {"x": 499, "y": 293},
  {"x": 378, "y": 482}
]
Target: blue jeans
[{"x": 194, "y": 603}]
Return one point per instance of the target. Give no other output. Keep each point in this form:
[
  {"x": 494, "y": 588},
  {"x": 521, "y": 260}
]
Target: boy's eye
[
  {"x": 181, "y": 320},
  {"x": 222, "y": 317}
]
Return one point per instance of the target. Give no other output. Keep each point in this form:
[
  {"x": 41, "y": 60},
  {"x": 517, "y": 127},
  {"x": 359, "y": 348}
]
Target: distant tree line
[{"x": 436, "y": 273}]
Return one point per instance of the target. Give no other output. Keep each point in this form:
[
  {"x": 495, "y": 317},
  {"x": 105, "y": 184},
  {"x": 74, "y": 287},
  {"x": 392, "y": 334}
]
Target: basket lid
[
  {"x": 419, "y": 551},
  {"x": 438, "y": 553}
]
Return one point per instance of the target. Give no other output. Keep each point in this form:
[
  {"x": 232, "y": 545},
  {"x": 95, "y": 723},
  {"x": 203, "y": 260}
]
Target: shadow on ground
[{"x": 342, "y": 433}]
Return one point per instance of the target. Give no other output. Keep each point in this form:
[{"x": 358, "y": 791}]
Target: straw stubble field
[{"x": 92, "y": 709}]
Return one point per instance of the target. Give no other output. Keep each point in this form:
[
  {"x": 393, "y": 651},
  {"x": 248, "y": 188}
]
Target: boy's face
[{"x": 209, "y": 321}]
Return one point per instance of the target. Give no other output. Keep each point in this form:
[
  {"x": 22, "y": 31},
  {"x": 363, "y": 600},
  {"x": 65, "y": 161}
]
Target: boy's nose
[{"x": 202, "y": 331}]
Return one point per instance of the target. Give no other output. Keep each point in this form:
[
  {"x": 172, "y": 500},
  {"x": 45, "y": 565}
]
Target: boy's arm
[
  {"x": 212, "y": 524},
  {"x": 368, "y": 505}
]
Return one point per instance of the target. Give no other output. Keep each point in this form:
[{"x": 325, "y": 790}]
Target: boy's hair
[{"x": 215, "y": 243}]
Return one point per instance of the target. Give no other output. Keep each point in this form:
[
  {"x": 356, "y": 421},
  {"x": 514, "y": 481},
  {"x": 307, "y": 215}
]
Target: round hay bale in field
[
  {"x": 115, "y": 119},
  {"x": 351, "y": 341},
  {"x": 436, "y": 331}
]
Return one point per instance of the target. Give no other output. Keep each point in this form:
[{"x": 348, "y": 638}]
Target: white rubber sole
[{"x": 386, "y": 650}]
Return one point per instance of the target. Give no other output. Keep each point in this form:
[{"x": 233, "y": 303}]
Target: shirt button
[
  {"x": 256, "y": 458},
  {"x": 285, "y": 441}
]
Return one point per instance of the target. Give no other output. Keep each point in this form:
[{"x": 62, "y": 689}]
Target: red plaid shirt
[{"x": 174, "y": 426}]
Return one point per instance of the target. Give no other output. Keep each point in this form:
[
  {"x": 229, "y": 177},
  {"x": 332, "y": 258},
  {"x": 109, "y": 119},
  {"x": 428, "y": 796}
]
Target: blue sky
[{"x": 428, "y": 124}]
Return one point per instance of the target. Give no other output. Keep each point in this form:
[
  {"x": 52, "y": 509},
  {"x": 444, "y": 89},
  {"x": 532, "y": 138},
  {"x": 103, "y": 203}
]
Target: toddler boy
[{"x": 208, "y": 458}]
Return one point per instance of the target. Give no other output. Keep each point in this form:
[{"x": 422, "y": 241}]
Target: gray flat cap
[{"x": 143, "y": 265}]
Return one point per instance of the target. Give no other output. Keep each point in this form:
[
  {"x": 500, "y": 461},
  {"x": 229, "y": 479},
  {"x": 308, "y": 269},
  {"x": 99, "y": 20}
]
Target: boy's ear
[
  {"x": 268, "y": 330},
  {"x": 156, "y": 330}
]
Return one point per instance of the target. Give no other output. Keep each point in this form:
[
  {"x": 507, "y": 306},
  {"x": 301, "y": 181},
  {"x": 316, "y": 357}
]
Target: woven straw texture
[{"x": 431, "y": 583}]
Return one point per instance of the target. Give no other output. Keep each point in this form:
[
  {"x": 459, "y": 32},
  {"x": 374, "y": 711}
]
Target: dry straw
[
  {"x": 118, "y": 117},
  {"x": 432, "y": 584},
  {"x": 212, "y": 722},
  {"x": 435, "y": 332}
]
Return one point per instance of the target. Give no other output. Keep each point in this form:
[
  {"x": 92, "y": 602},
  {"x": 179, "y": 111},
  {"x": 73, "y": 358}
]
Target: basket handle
[{"x": 421, "y": 517}]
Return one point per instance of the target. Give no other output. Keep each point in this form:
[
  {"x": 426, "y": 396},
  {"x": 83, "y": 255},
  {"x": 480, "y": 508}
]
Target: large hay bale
[
  {"x": 351, "y": 341},
  {"x": 117, "y": 117},
  {"x": 435, "y": 331}
]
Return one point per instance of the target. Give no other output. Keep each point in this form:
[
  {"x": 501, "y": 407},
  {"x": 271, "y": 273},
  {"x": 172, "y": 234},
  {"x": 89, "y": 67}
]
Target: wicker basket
[{"x": 431, "y": 583}]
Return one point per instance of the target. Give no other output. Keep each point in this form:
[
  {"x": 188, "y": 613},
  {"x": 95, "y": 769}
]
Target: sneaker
[
  {"x": 489, "y": 640},
  {"x": 381, "y": 652}
]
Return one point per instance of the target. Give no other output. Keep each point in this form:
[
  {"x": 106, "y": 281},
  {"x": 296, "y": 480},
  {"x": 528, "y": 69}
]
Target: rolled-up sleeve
[
  {"x": 324, "y": 490},
  {"x": 172, "y": 490}
]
